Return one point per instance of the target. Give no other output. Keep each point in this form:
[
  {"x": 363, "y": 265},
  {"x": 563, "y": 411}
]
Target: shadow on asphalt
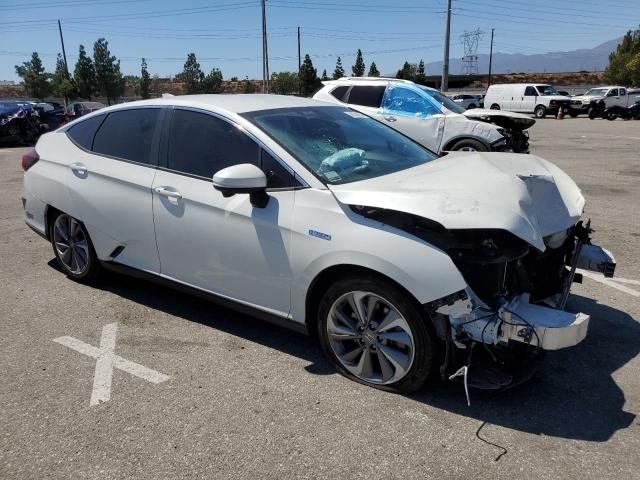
[{"x": 572, "y": 396}]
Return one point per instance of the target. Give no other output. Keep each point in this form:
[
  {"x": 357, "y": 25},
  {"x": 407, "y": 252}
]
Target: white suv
[
  {"x": 429, "y": 117},
  {"x": 320, "y": 218}
]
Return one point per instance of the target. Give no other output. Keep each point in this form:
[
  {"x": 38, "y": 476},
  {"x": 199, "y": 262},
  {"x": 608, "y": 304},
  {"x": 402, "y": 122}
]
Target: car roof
[
  {"x": 371, "y": 81},
  {"x": 233, "y": 103}
]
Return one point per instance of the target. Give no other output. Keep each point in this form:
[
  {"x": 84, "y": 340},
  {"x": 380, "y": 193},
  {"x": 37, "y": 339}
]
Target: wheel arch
[{"x": 452, "y": 141}]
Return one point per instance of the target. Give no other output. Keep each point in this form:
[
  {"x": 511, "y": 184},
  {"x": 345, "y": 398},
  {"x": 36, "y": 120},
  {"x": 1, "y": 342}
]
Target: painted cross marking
[{"x": 107, "y": 360}]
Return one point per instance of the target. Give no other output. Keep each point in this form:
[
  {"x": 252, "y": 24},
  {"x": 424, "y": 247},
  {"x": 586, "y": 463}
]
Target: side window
[
  {"x": 367, "y": 96},
  {"x": 405, "y": 101},
  {"x": 128, "y": 134},
  {"x": 530, "y": 92},
  {"x": 82, "y": 133},
  {"x": 277, "y": 175},
  {"x": 613, "y": 92},
  {"x": 623, "y": 92},
  {"x": 201, "y": 144},
  {"x": 340, "y": 92}
]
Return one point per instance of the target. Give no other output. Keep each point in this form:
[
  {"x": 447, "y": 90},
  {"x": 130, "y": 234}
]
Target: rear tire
[
  {"x": 495, "y": 106},
  {"x": 386, "y": 341},
  {"x": 469, "y": 145},
  {"x": 73, "y": 248},
  {"x": 540, "y": 111},
  {"x": 573, "y": 114}
]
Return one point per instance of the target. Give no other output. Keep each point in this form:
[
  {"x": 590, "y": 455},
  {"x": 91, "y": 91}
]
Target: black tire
[
  {"x": 495, "y": 106},
  {"x": 540, "y": 111},
  {"x": 469, "y": 145},
  {"x": 592, "y": 113},
  {"x": 426, "y": 347},
  {"x": 92, "y": 268},
  {"x": 573, "y": 114},
  {"x": 611, "y": 116},
  {"x": 473, "y": 105}
]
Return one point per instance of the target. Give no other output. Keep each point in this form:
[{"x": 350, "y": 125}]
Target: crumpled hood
[
  {"x": 501, "y": 117},
  {"x": 523, "y": 194}
]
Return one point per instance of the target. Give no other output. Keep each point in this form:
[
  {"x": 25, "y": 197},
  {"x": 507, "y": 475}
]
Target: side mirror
[{"x": 243, "y": 178}]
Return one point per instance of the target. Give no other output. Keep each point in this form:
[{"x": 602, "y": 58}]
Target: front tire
[
  {"x": 73, "y": 248},
  {"x": 495, "y": 106},
  {"x": 469, "y": 145},
  {"x": 374, "y": 334},
  {"x": 540, "y": 111}
]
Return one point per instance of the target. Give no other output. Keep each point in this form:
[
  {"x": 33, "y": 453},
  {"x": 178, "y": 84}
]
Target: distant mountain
[{"x": 590, "y": 59}]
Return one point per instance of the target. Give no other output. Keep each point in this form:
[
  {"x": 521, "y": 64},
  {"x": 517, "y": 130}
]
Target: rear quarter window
[
  {"x": 340, "y": 92},
  {"x": 128, "y": 134},
  {"x": 82, "y": 133},
  {"x": 367, "y": 96}
]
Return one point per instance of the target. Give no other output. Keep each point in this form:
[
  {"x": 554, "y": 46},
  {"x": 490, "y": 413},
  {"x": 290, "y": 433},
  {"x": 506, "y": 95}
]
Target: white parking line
[
  {"x": 611, "y": 282},
  {"x": 106, "y": 361}
]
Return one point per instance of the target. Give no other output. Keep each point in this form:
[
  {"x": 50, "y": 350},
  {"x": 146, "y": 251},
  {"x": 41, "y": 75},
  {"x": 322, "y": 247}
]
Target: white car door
[
  {"x": 529, "y": 100},
  {"x": 110, "y": 182},
  {"x": 222, "y": 245},
  {"x": 406, "y": 109}
]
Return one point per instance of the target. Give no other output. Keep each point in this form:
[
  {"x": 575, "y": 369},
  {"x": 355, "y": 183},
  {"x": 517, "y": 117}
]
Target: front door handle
[
  {"x": 390, "y": 119},
  {"x": 168, "y": 192},
  {"x": 78, "y": 168}
]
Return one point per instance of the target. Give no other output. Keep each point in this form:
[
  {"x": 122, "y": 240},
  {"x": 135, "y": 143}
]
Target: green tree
[
  {"x": 308, "y": 75},
  {"x": 421, "y": 77},
  {"x": 359, "y": 68},
  {"x": 212, "y": 83},
  {"x": 61, "y": 84},
  {"x": 145, "y": 80},
  {"x": 84, "y": 75},
  {"x": 108, "y": 76},
  {"x": 34, "y": 76},
  {"x": 373, "y": 70},
  {"x": 324, "y": 77},
  {"x": 624, "y": 63},
  {"x": 248, "y": 86},
  {"x": 408, "y": 71},
  {"x": 191, "y": 75},
  {"x": 339, "y": 71},
  {"x": 284, "y": 83}
]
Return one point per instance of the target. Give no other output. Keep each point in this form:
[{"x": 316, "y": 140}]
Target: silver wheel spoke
[
  {"x": 386, "y": 367},
  {"x": 391, "y": 320},
  {"x": 345, "y": 320},
  {"x": 365, "y": 367},
  {"x": 355, "y": 300},
  {"x": 71, "y": 244},
  {"x": 61, "y": 233},
  {"x": 342, "y": 333},
  {"x": 398, "y": 359},
  {"x": 351, "y": 355},
  {"x": 398, "y": 337}
]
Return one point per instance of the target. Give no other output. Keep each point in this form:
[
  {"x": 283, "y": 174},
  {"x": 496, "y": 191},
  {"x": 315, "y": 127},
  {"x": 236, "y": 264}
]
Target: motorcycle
[{"x": 19, "y": 123}]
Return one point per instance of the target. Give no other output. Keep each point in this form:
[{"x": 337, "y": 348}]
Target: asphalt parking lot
[{"x": 233, "y": 397}]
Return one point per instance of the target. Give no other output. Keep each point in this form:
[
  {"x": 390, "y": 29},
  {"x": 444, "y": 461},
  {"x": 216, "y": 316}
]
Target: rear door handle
[
  {"x": 168, "y": 192},
  {"x": 78, "y": 168},
  {"x": 390, "y": 119}
]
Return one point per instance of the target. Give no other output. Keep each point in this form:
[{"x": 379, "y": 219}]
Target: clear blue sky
[{"x": 226, "y": 33}]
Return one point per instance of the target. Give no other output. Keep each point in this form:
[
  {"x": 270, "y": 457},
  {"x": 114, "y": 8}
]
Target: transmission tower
[{"x": 470, "y": 41}]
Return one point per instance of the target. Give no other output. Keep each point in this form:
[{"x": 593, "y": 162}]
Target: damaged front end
[
  {"x": 514, "y": 127},
  {"x": 512, "y": 310}
]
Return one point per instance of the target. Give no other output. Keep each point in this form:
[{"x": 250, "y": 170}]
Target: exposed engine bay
[
  {"x": 514, "y": 127},
  {"x": 515, "y": 299}
]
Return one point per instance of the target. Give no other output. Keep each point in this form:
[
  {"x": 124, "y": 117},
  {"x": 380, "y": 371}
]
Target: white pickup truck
[{"x": 611, "y": 96}]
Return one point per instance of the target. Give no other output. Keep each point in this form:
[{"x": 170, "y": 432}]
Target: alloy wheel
[
  {"x": 71, "y": 244},
  {"x": 370, "y": 337}
]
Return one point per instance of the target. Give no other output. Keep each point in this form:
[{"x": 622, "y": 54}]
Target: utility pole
[
  {"x": 64, "y": 53},
  {"x": 299, "y": 64},
  {"x": 490, "y": 59},
  {"x": 265, "y": 52},
  {"x": 444, "y": 85}
]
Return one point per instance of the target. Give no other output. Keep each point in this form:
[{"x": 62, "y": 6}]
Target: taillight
[{"x": 29, "y": 159}]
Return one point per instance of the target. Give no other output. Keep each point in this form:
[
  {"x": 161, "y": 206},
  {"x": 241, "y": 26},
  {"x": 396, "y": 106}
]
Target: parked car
[
  {"x": 320, "y": 218},
  {"x": 429, "y": 117},
  {"x": 52, "y": 114},
  {"x": 598, "y": 99},
  {"x": 19, "y": 122},
  {"x": 466, "y": 101},
  {"x": 537, "y": 99},
  {"x": 79, "y": 109}
]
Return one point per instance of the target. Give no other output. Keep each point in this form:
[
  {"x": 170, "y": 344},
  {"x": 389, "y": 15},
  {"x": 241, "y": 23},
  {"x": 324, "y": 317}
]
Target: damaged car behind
[
  {"x": 430, "y": 118},
  {"x": 403, "y": 265}
]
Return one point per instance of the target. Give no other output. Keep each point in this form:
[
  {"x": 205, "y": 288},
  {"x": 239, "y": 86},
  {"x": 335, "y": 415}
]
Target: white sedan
[{"x": 320, "y": 218}]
